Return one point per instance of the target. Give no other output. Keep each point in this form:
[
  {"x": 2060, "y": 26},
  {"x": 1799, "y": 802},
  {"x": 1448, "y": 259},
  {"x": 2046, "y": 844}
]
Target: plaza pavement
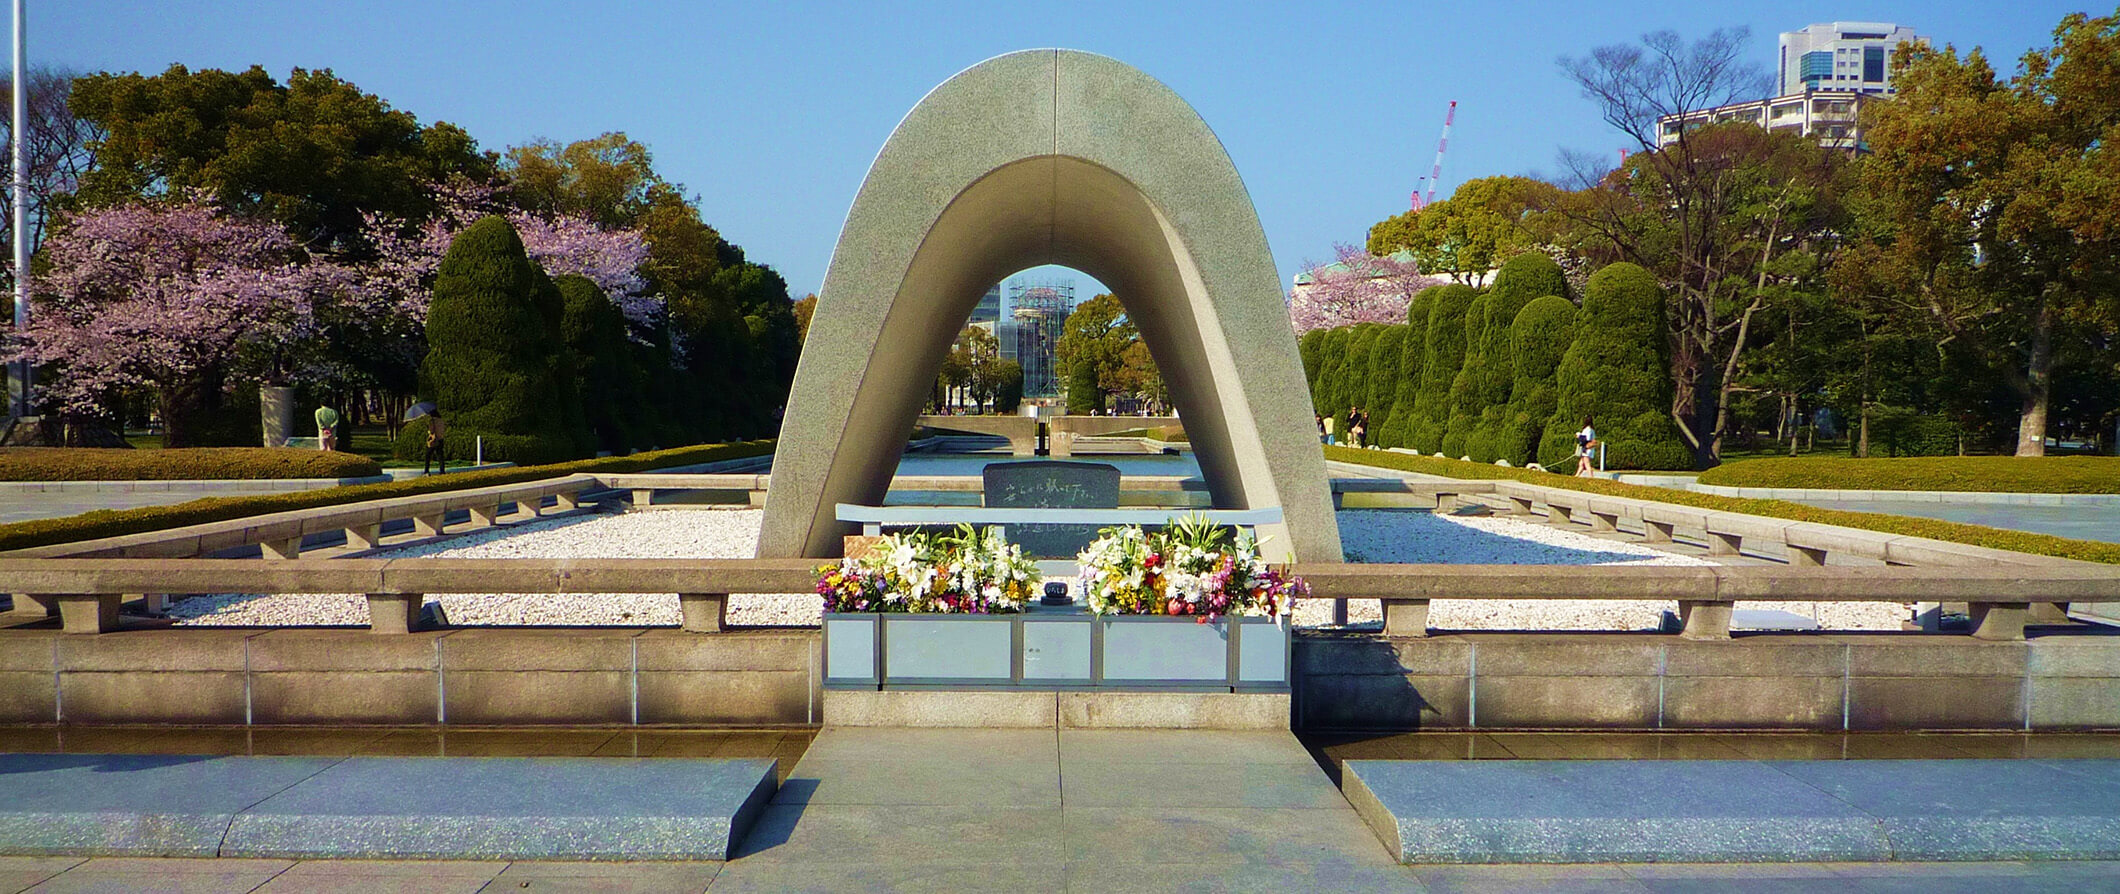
[{"x": 1046, "y": 810}]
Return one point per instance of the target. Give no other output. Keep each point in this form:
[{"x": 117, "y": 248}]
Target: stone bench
[{"x": 874, "y": 519}]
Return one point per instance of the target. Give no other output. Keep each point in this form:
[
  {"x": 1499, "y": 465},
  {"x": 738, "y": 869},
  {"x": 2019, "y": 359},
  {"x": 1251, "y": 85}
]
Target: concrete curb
[
  {"x": 400, "y": 808},
  {"x": 1684, "y": 482},
  {"x": 1739, "y": 811}
]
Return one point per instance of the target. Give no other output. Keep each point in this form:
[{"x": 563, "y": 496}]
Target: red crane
[{"x": 1436, "y": 173}]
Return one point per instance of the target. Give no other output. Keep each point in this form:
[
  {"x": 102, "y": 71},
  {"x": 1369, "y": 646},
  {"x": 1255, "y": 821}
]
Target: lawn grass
[
  {"x": 1935, "y": 529},
  {"x": 1983, "y": 474},
  {"x": 194, "y": 463},
  {"x": 103, "y": 523}
]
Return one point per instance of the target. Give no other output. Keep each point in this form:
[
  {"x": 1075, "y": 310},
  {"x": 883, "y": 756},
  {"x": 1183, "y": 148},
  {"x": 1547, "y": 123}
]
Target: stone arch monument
[{"x": 1050, "y": 157}]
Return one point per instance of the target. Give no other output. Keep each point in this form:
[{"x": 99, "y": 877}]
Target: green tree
[
  {"x": 1384, "y": 364},
  {"x": 1485, "y": 222},
  {"x": 609, "y": 179},
  {"x": 1398, "y": 430},
  {"x": 1538, "y": 338},
  {"x": 1085, "y": 393},
  {"x": 1309, "y": 347},
  {"x": 1481, "y": 392},
  {"x": 496, "y": 362},
  {"x": 1092, "y": 348},
  {"x": 1994, "y": 206},
  {"x": 1332, "y": 363},
  {"x": 1353, "y": 385},
  {"x": 1463, "y": 402},
  {"x": 1008, "y": 393},
  {"x": 1444, "y": 351},
  {"x": 314, "y": 153},
  {"x": 1715, "y": 212},
  {"x": 1615, "y": 371},
  {"x": 609, "y": 384}
]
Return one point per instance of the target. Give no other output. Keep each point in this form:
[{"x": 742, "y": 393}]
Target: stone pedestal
[{"x": 276, "y": 414}]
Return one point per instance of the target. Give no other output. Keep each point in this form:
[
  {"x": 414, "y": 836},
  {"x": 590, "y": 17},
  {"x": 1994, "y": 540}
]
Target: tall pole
[{"x": 21, "y": 196}]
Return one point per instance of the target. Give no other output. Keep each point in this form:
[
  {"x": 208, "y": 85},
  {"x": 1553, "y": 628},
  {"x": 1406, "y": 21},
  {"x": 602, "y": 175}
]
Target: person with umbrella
[{"x": 436, "y": 429}]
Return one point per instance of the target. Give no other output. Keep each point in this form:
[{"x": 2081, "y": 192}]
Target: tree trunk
[
  {"x": 2037, "y": 390},
  {"x": 1862, "y": 445}
]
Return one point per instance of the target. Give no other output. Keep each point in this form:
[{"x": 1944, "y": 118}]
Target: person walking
[
  {"x": 1585, "y": 444},
  {"x": 327, "y": 428},
  {"x": 1360, "y": 428},
  {"x": 436, "y": 430}
]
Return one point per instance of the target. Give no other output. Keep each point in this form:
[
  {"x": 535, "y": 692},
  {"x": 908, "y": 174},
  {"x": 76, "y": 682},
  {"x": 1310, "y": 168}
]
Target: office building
[{"x": 1840, "y": 56}]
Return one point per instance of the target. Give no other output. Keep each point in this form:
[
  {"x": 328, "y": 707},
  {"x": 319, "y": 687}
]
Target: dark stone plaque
[{"x": 1052, "y": 484}]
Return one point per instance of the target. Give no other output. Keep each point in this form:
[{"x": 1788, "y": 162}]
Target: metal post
[{"x": 21, "y": 196}]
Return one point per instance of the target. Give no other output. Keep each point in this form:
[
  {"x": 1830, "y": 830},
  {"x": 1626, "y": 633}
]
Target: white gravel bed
[{"x": 1368, "y": 535}]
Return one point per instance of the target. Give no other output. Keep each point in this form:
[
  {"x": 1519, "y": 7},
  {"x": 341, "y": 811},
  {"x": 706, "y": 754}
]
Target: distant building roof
[{"x": 1403, "y": 256}]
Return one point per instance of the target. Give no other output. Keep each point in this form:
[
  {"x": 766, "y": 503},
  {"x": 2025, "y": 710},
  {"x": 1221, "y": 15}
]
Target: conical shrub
[
  {"x": 1538, "y": 339},
  {"x": 1398, "y": 431},
  {"x": 1489, "y": 373},
  {"x": 496, "y": 363},
  {"x": 1445, "y": 350},
  {"x": 1616, "y": 371}
]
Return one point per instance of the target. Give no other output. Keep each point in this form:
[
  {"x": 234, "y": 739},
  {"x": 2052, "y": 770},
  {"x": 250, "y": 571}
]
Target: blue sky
[{"x": 770, "y": 112}]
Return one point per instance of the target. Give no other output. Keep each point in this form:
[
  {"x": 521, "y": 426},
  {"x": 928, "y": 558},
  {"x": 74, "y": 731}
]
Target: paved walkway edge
[
  {"x": 382, "y": 807},
  {"x": 1739, "y": 811}
]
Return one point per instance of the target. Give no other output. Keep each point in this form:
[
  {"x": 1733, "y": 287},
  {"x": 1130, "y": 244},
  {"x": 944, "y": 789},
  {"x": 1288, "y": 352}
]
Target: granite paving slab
[
  {"x": 137, "y": 804},
  {"x": 1979, "y": 809},
  {"x": 511, "y": 809},
  {"x": 1605, "y": 811}
]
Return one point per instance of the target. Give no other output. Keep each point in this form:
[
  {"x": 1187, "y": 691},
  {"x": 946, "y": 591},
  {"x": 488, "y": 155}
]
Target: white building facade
[{"x": 1841, "y": 56}]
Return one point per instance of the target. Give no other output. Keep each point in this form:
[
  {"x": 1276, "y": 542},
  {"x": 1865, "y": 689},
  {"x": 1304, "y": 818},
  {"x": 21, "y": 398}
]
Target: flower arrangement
[
  {"x": 1194, "y": 567},
  {"x": 968, "y": 572}
]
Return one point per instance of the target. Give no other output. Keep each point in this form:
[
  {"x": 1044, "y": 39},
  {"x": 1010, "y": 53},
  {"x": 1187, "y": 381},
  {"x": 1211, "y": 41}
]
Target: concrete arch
[{"x": 1050, "y": 157}]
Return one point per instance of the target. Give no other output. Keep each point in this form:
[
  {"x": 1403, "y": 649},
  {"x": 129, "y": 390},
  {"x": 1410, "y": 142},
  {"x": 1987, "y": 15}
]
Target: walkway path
[{"x": 1047, "y": 810}]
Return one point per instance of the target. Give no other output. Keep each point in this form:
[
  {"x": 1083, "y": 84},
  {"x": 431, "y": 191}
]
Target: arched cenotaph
[{"x": 1051, "y": 157}]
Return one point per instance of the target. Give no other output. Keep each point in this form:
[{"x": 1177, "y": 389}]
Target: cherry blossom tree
[
  {"x": 401, "y": 280},
  {"x": 165, "y": 297},
  {"x": 1357, "y": 288}
]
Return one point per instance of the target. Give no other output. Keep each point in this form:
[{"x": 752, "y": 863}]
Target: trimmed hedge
[
  {"x": 1352, "y": 386},
  {"x": 1383, "y": 377},
  {"x": 1445, "y": 348},
  {"x": 1332, "y": 367},
  {"x": 1934, "y": 529},
  {"x": 496, "y": 362},
  {"x": 103, "y": 523},
  {"x": 1464, "y": 402},
  {"x": 1491, "y": 380},
  {"x": 1617, "y": 371},
  {"x": 178, "y": 463},
  {"x": 1399, "y": 428},
  {"x": 1983, "y": 474},
  {"x": 1538, "y": 338}
]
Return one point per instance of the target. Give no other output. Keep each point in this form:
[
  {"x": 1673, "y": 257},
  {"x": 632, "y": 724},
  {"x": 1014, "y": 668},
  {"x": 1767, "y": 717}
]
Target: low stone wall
[
  {"x": 500, "y": 676},
  {"x": 1889, "y": 681},
  {"x": 1343, "y": 681}
]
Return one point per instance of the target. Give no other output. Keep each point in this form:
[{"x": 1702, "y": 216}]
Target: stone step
[
  {"x": 394, "y": 807},
  {"x": 1738, "y": 811}
]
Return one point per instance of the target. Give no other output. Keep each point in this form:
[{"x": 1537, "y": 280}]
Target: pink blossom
[
  {"x": 401, "y": 280},
  {"x": 164, "y": 296},
  {"x": 1357, "y": 288}
]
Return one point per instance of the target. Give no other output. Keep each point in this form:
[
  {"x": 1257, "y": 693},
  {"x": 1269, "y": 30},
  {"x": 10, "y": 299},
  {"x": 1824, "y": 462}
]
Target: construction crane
[{"x": 1436, "y": 173}]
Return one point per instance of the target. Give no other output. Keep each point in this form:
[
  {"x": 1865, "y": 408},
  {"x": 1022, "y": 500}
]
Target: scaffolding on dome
[{"x": 1031, "y": 333}]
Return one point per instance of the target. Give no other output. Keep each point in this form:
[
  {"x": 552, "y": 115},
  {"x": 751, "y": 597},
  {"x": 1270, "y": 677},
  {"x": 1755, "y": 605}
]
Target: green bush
[
  {"x": 103, "y": 523},
  {"x": 1332, "y": 362},
  {"x": 1983, "y": 474},
  {"x": 496, "y": 364},
  {"x": 1934, "y": 529},
  {"x": 594, "y": 330},
  {"x": 1464, "y": 404},
  {"x": 1489, "y": 382},
  {"x": 1616, "y": 371},
  {"x": 1384, "y": 360},
  {"x": 1444, "y": 351},
  {"x": 179, "y": 463},
  {"x": 1352, "y": 385},
  {"x": 1899, "y": 431},
  {"x": 1538, "y": 338},
  {"x": 1399, "y": 431},
  {"x": 1311, "y": 347}
]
